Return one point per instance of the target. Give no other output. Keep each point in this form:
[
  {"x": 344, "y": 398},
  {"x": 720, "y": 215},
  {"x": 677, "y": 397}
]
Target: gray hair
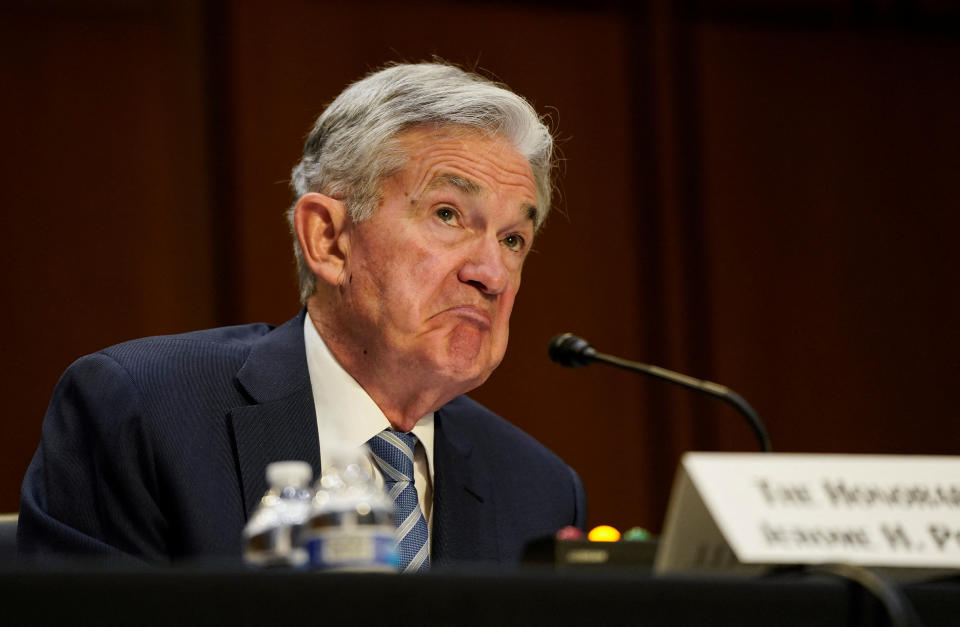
[{"x": 353, "y": 146}]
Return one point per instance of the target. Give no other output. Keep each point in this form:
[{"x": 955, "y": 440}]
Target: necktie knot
[{"x": 393, "y": 452}]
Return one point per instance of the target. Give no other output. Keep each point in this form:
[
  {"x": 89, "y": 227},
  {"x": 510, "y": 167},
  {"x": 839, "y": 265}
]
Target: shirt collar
[{"x": 346, "y": 415}]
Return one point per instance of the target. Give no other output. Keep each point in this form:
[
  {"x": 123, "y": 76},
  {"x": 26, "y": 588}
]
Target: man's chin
[
  {"x": 466, "y": 343},
  {"x": 468, "y": 365}
]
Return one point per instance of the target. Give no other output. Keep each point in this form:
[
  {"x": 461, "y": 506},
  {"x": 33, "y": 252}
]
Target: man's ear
[{"x": 320, "y": 222}]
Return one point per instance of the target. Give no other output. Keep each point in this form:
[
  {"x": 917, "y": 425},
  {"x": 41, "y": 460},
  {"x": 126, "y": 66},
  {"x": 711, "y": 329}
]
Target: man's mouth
[{"x": 471, "y": 313}]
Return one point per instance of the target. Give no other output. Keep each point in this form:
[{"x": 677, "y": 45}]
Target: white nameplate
[{"x": 745, "y": 511}]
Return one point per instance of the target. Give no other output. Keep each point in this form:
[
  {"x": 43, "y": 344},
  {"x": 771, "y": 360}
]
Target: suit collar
[
  {"x": 277, "y": 364},
  {"x": 281, "y": 423},
  {"x": 464, "y": 503},
  {"x": 455, "y": 429}
]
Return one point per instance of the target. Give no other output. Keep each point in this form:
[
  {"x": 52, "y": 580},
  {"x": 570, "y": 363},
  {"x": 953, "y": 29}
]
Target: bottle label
[{"x": 370, "y": 549}]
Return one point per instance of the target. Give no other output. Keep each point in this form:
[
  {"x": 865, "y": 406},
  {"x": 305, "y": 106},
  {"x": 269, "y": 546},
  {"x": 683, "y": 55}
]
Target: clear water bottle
[
  {"x": 273, "y": 536},
  {"x": 351, "y": 524}
]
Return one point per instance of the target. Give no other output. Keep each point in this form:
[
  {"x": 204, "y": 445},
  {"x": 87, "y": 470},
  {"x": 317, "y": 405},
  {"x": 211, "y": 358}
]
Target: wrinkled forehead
[{"x": 411, "y": 151}]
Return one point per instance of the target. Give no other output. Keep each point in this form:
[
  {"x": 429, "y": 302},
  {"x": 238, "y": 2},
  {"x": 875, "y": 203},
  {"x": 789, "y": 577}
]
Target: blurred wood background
[{"x": 764, "y": 197}]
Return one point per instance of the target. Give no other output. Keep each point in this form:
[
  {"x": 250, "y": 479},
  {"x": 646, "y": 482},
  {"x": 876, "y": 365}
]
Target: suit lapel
[
  {"x": 464, "y": 510},
  {"x": 281, "y": 422}
]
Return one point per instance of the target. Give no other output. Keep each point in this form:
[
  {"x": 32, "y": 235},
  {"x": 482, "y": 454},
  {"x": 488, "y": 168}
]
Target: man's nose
[{"x": 484, "y": 267}]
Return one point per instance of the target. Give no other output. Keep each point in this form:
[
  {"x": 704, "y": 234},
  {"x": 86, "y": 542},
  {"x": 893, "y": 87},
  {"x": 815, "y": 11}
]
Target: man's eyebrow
[
  {"x": 446, "y": 179},
  {"x": 532, "y": 213},
  {"x": 467, "y": 186}
]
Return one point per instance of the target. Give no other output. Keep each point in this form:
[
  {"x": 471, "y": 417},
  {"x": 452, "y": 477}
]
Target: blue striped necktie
[{"x": 393, "y": 454}]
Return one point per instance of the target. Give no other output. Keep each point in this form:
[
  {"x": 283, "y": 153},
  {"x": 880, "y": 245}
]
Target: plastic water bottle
[
  {"x": 351, "y": 525},
  {"x": 273, "y": 536}
]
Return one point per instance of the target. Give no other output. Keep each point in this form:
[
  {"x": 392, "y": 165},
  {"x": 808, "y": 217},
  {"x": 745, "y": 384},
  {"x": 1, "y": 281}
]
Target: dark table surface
[{"x": 234, "y": 596}]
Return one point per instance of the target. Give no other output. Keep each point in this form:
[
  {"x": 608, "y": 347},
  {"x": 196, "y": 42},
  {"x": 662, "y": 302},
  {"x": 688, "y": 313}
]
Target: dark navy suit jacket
[{"x": 156, "y": 449}]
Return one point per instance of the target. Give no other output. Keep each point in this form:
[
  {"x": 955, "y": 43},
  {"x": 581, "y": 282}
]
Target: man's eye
[
  {"x": 447, "y": 215},
  {"x": 514, "y": 242}
]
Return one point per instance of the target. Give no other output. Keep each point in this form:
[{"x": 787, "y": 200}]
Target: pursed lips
[{"x": 470, "y": 312}]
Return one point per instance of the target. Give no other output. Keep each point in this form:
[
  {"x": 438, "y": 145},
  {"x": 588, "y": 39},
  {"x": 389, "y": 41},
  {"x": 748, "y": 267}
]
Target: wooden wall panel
[
  {"x": 829, "y": 166},
  {"x": 104, "y": 223}
]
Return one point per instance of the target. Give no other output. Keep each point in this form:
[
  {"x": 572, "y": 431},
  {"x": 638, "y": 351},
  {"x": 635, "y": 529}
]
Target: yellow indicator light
[{"x": 603, "y": 533}]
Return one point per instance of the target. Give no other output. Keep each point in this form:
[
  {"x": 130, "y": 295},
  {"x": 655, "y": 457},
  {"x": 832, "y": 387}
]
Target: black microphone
[{"x": 575, "y": 352}]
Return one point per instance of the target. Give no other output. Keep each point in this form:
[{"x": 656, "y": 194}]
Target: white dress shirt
[{"x": 347, "y": 417}]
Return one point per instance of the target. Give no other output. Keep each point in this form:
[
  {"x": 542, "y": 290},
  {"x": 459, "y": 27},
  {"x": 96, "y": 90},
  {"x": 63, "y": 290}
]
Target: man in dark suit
[{"x": 419, "y": 194}]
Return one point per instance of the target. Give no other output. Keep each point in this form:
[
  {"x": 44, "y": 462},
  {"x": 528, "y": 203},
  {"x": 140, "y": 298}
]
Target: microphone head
[{"x": 571, "y": 351}]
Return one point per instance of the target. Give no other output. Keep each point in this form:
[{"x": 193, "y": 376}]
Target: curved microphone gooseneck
[{"x": 574, "y": 352}]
